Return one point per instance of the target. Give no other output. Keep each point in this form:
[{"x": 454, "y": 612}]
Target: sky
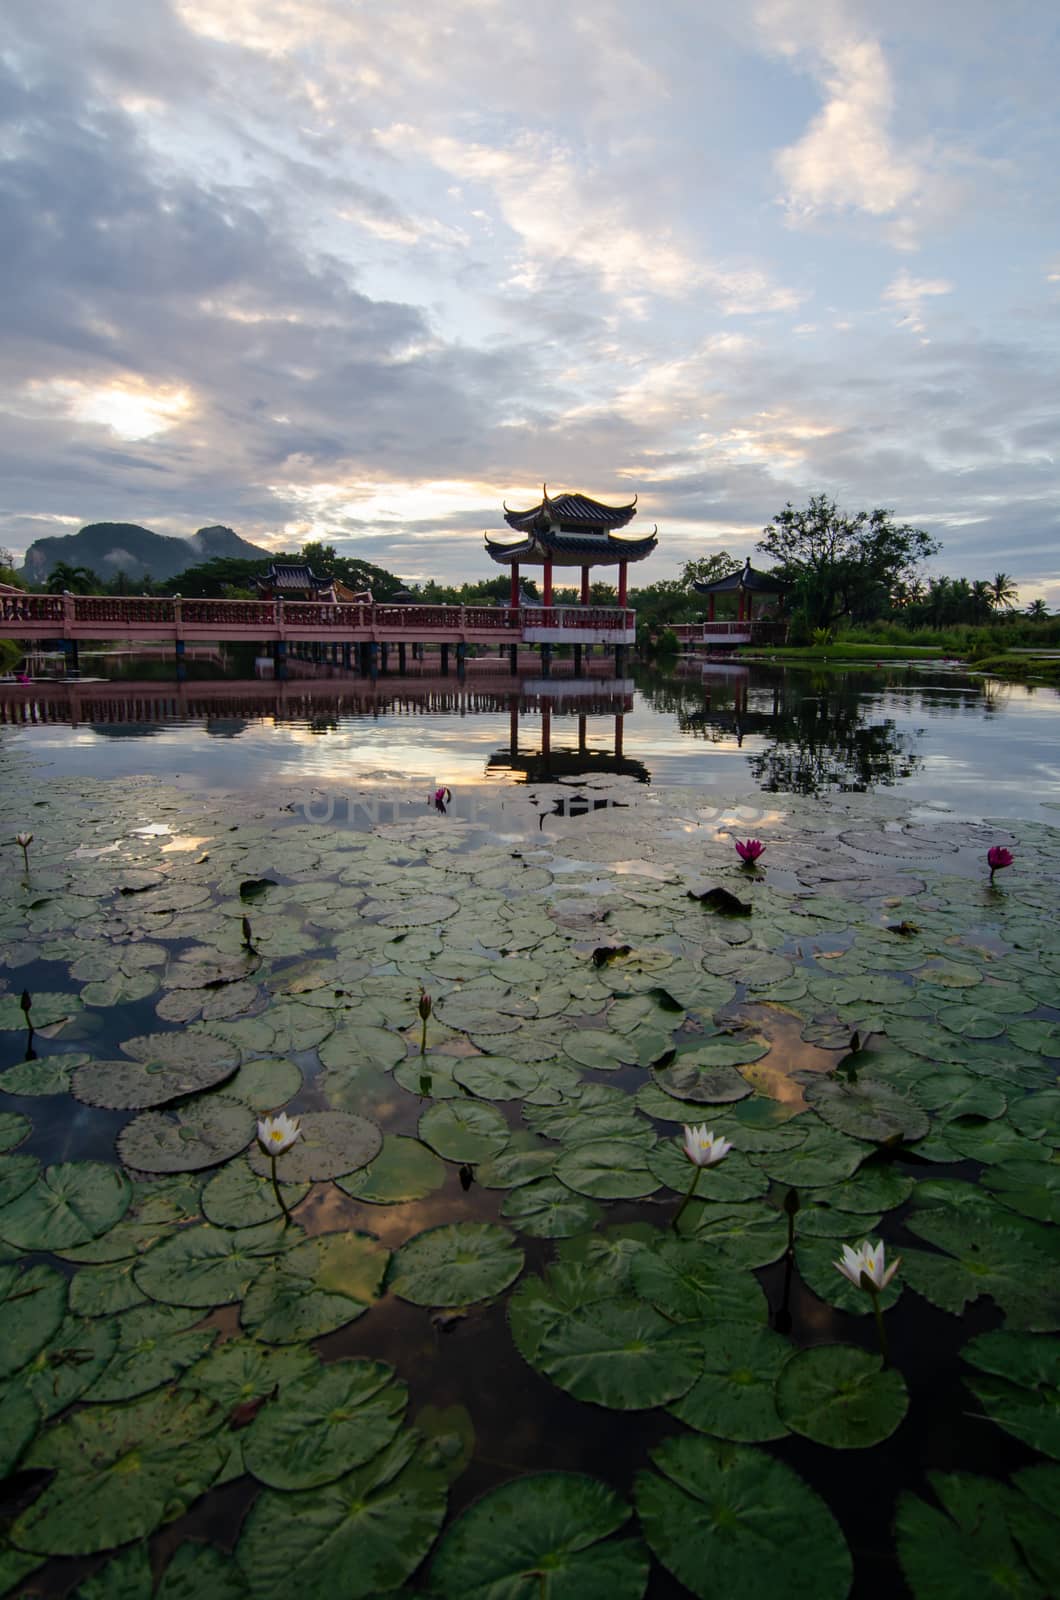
[{"x": 363, "y": 271}]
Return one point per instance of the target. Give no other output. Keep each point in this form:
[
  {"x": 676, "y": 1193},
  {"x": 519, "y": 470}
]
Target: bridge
[
  {"x": 332, "y": 626},
  {"x": 713, "y": 635}
]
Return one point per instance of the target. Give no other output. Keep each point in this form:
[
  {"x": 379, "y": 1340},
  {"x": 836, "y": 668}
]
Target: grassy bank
[
  {"x": 842, "y": 651},
  {"x": 1020, "y": 668}
]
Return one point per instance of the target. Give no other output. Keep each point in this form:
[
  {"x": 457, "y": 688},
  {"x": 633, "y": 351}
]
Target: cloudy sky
[{"x": 319, "y": 268}]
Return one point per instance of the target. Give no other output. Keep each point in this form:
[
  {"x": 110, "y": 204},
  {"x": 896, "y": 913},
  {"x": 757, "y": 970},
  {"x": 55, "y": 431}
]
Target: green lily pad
[
  {"x": 404, "y": 1170},
  {"x": 599, "y": 1050},
  {"x": 266, "y": 1084},
  {"x": 607, "y": 1169},
  {"x": 824, "y": 1157},
  {"x": 816, "y": 1260},
  {"x": 750, "y": 1235},
  {"x": 330, "y": 1144},
  {"x": 990, "y": 1258},
  {"x": 67, "y": 1205},
  {"x": 691, "y": 1282},
  {"x": 164, "y": 1066},
  {"x": 964, "y": 1548},
  {"x": 455, "y": 1264},
  {"x": 548, "y": 1532},
  {"x": 14, "y": 1127},
  {"x": 1038, "y": 1116},
  {"x": 202, "y": 1133},
  {"x": 1030, "y": 1187},
  {"x": 21, "y": 1423},
  {"x": 734, "y": 1397},
  {"x": 155, "y": 1344},
  {"x": 548, "y": 1209},
  {"x": 320, "y": 1285},
  {"x": 17, "y": 1174},
  {"x": 241, "y": 1372},
  {"x": 46, "y": 1011},
  {"x": 954, "y": 1094},
  {"x": 496, "y": 1077},
  {"x": 732, "y": 1179},
  {"x": 236, "y": 1197},
  {"x": 206, "y": 1266},
  {"x": 69, "y": 1363},
  {"x": 841, "y": 1396},
  {"x": 335, "y": 1418},
  {"x": 358, "y": 1537},
  {"x": 867, "y": 1109},
  {"x": 524, "y": 1160},
  {"x": 687, "y": 1079},
  {"x": 361, "y": 1044},
  {"x": 46, "y": 1075},
  {"x": 620, "y": 1353},
  {"x": 106, "y": 1290},
  {"x": 123, "y": 1470},
  {"x": 728, "y": 1519},
  {"x": 1020, "y": 1386},
  {"x": 464, "y": 1130}
]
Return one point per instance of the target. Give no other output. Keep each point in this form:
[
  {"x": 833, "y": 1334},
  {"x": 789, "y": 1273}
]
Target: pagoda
[
  {"x": 745, "y": 584},
  {"x": 570, "y": 530}
]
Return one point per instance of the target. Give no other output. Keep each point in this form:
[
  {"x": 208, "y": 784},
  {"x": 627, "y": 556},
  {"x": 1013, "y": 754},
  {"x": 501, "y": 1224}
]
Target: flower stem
[
  {"x": 884, "y": 1348},
  {"x": 276, "y": 1191},
  {"x": 691, "y": 1191},
  {"x": 423, "y": 1038}
]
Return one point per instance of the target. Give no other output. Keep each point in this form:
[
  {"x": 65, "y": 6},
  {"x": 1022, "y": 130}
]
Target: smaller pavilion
[
  {"x": 570, "y": 530},
  {"x": 746, "y": 584},
  {"x": 286, "y": 580}
]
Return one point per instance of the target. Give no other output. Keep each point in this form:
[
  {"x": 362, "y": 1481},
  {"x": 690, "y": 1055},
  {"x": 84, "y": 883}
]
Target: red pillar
[
  {"x": 618, "y": 734},
  {"x": 710, "y": 611},
  {"x": 515, "y": 584},
  {"x": 622, "y": 588},
  {"x": 547, "y": 586},
  {"x": 585, "y": 586},
  {"x": 739, "y": 610},
  {"x": 546, "y": 730}
]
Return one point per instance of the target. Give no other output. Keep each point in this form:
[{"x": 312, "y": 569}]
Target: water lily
[
  {"x": 25, "y": 840},
  {"x": 749, "y": 850},
  {"x": 703, "y": 1150},
  {"x": 442, "y": 798},
  {"x": 866, "y": 1268},
  {"x": 997, "y": 857},
  {"x": 275, "y": 1135}
]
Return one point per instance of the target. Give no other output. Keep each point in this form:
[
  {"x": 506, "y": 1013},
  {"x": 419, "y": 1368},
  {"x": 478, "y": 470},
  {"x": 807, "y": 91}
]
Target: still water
[{"x": 937, "y": 735}]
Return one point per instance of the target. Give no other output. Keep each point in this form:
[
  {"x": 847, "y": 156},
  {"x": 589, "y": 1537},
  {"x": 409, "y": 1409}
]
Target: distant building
[
  {"x": 570, "y": 530},
  {"x": 287, "y": 580}
]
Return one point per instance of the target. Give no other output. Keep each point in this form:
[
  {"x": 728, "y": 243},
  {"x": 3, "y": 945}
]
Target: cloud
[{"x": 908, "y": 295}]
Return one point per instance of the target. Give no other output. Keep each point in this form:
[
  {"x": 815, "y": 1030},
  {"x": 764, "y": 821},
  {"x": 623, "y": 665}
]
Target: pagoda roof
[
  {"x": 572, "y": 549},
  {"x": 747, "y": 578},
  {"x": 289, "y": 575},
  {"x": 572, "y": 513}
]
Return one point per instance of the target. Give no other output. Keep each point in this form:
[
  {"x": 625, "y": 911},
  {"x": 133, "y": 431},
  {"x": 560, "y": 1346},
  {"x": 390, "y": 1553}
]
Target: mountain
[{"x": 112, "y": 547}]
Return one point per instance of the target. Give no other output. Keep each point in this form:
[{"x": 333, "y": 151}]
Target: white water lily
[
  {"x": 702, "y": 1149},
  {"x": 869, "y": 1259},
  {"x": 277, "y": 1134},
  {"x": 23, "y": 839}
]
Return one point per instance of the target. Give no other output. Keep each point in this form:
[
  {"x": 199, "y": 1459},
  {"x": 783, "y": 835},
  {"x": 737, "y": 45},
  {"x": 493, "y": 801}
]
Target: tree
[
  {"x": 1004, "y": 591},
  {"x": 78, "y": 580},
  {"x": 843, "y": 566},
  {"x": 1038, "y": 610},
  {"x": 708, "y": 569}
]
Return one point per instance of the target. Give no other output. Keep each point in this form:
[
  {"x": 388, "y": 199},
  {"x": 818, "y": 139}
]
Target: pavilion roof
[
  {"x": 747, "y": 578},
  {"x": 573, "y": 513},
  {"x": 572, "y": 549},
  {"x": 289, "y": 575}
]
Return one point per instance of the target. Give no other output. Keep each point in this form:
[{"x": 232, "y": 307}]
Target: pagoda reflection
[{"x": 549, "y": 735}]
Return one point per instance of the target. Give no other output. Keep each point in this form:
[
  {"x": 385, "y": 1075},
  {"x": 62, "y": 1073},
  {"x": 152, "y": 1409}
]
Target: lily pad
[
  {"x": 547, "y": 1532},
  {"x": 728, "y": 1519},
  {"x": 464, "y": 1130},
  {"x": 358, "y": 1537},
  {"x": 320, "y": 1285},
  {"x": 620, "y": 1353},
  {"x": 32, "y": 1305},
  {"x": 969, "y": 1537},
  {"x": 164, "y": 1066},
  {"x": 602, "y": 1051},
  {"x": 867, "y": 1109},
  {"x": 841, "y": 1396},
  {"x": 455, "y": 1264},
  {"x": 155, "y": 1344},
  {"x": 14, "y": 1127},
  {"x": 991, "y": 1258},
  {"x": 607, "y": 1169},
  {"x": 404, "y": 1170},
  {"x": 323, "y": 1424},
  {"x": 691, "y": 1282},
  {"x": 1020, "y": 1385},
  {"x": 122, "y": 1471},
  {"x": 1030, "y": 1187},
  {"x": 547, "y": 1209},
  {"x": 330, "y": 1144},
  {"x": 69, "y": 1363},
  {"x": 734, "y": 1398},
  {"x": 206, "y": 1266},
  {"x": 734, "y": 1178},
  {"x": 201, "y": 1133},
  {"x": 496, "y": 1077},
  {"x": 688, "y": 1079},
  {"x": 67, "y": 1205},
  {"x": 237, "y": 1197},
  {"x": 17, "y": 1174}
]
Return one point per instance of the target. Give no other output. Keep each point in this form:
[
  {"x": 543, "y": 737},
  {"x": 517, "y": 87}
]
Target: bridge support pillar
[
  {"x": 577, "y": 660},
  {"x": 280, "y": 654},
  {"x": 373, "y": 659},
  {"x": 546, "y": 660},
  {"x": 346, "y": 662},
  {"x": 620, "y": 660},
  {"x": 513, "y": 658},
  {"x": 402, "y": 659},
  {"x": 182, "y": 671},
  {"x": 384, "y": 654},
  {"x": 461, "y": 660},
  {"x": 444, "y": 650}
]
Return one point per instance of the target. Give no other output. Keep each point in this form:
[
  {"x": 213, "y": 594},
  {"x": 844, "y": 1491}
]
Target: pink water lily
[
  {"x": 442, "y": 797},
  {"x": 749, "y": 850},
  {"x": 997, "y": 857}
]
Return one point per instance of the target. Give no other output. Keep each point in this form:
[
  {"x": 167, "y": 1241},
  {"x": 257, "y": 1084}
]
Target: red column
[
  {"x": 547, "y": 585},
  {"x": 618, "y": 734},
  {"x": 622, "y": 590},
  {"x": 546, "y": 730},
  {"x": 750, "y": 606},
  {"x": 739, "y": 606},
  {"x": 710, "y": 611},
  {"x": 585, "y": 586},
  {"x": 515, "y": 583}
]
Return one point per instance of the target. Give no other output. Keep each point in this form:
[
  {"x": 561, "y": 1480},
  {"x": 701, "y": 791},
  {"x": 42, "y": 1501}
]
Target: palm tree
[
  {"x": 1038, "y": 610},
  {"x": 78, "y": 580},
  {"x": 1004, "y": 591},
  {"x": 982, "y": 600}
]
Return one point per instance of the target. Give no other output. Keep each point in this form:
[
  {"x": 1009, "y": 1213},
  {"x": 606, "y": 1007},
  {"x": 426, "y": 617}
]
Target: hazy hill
[{"x": 112, "y": 547}]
